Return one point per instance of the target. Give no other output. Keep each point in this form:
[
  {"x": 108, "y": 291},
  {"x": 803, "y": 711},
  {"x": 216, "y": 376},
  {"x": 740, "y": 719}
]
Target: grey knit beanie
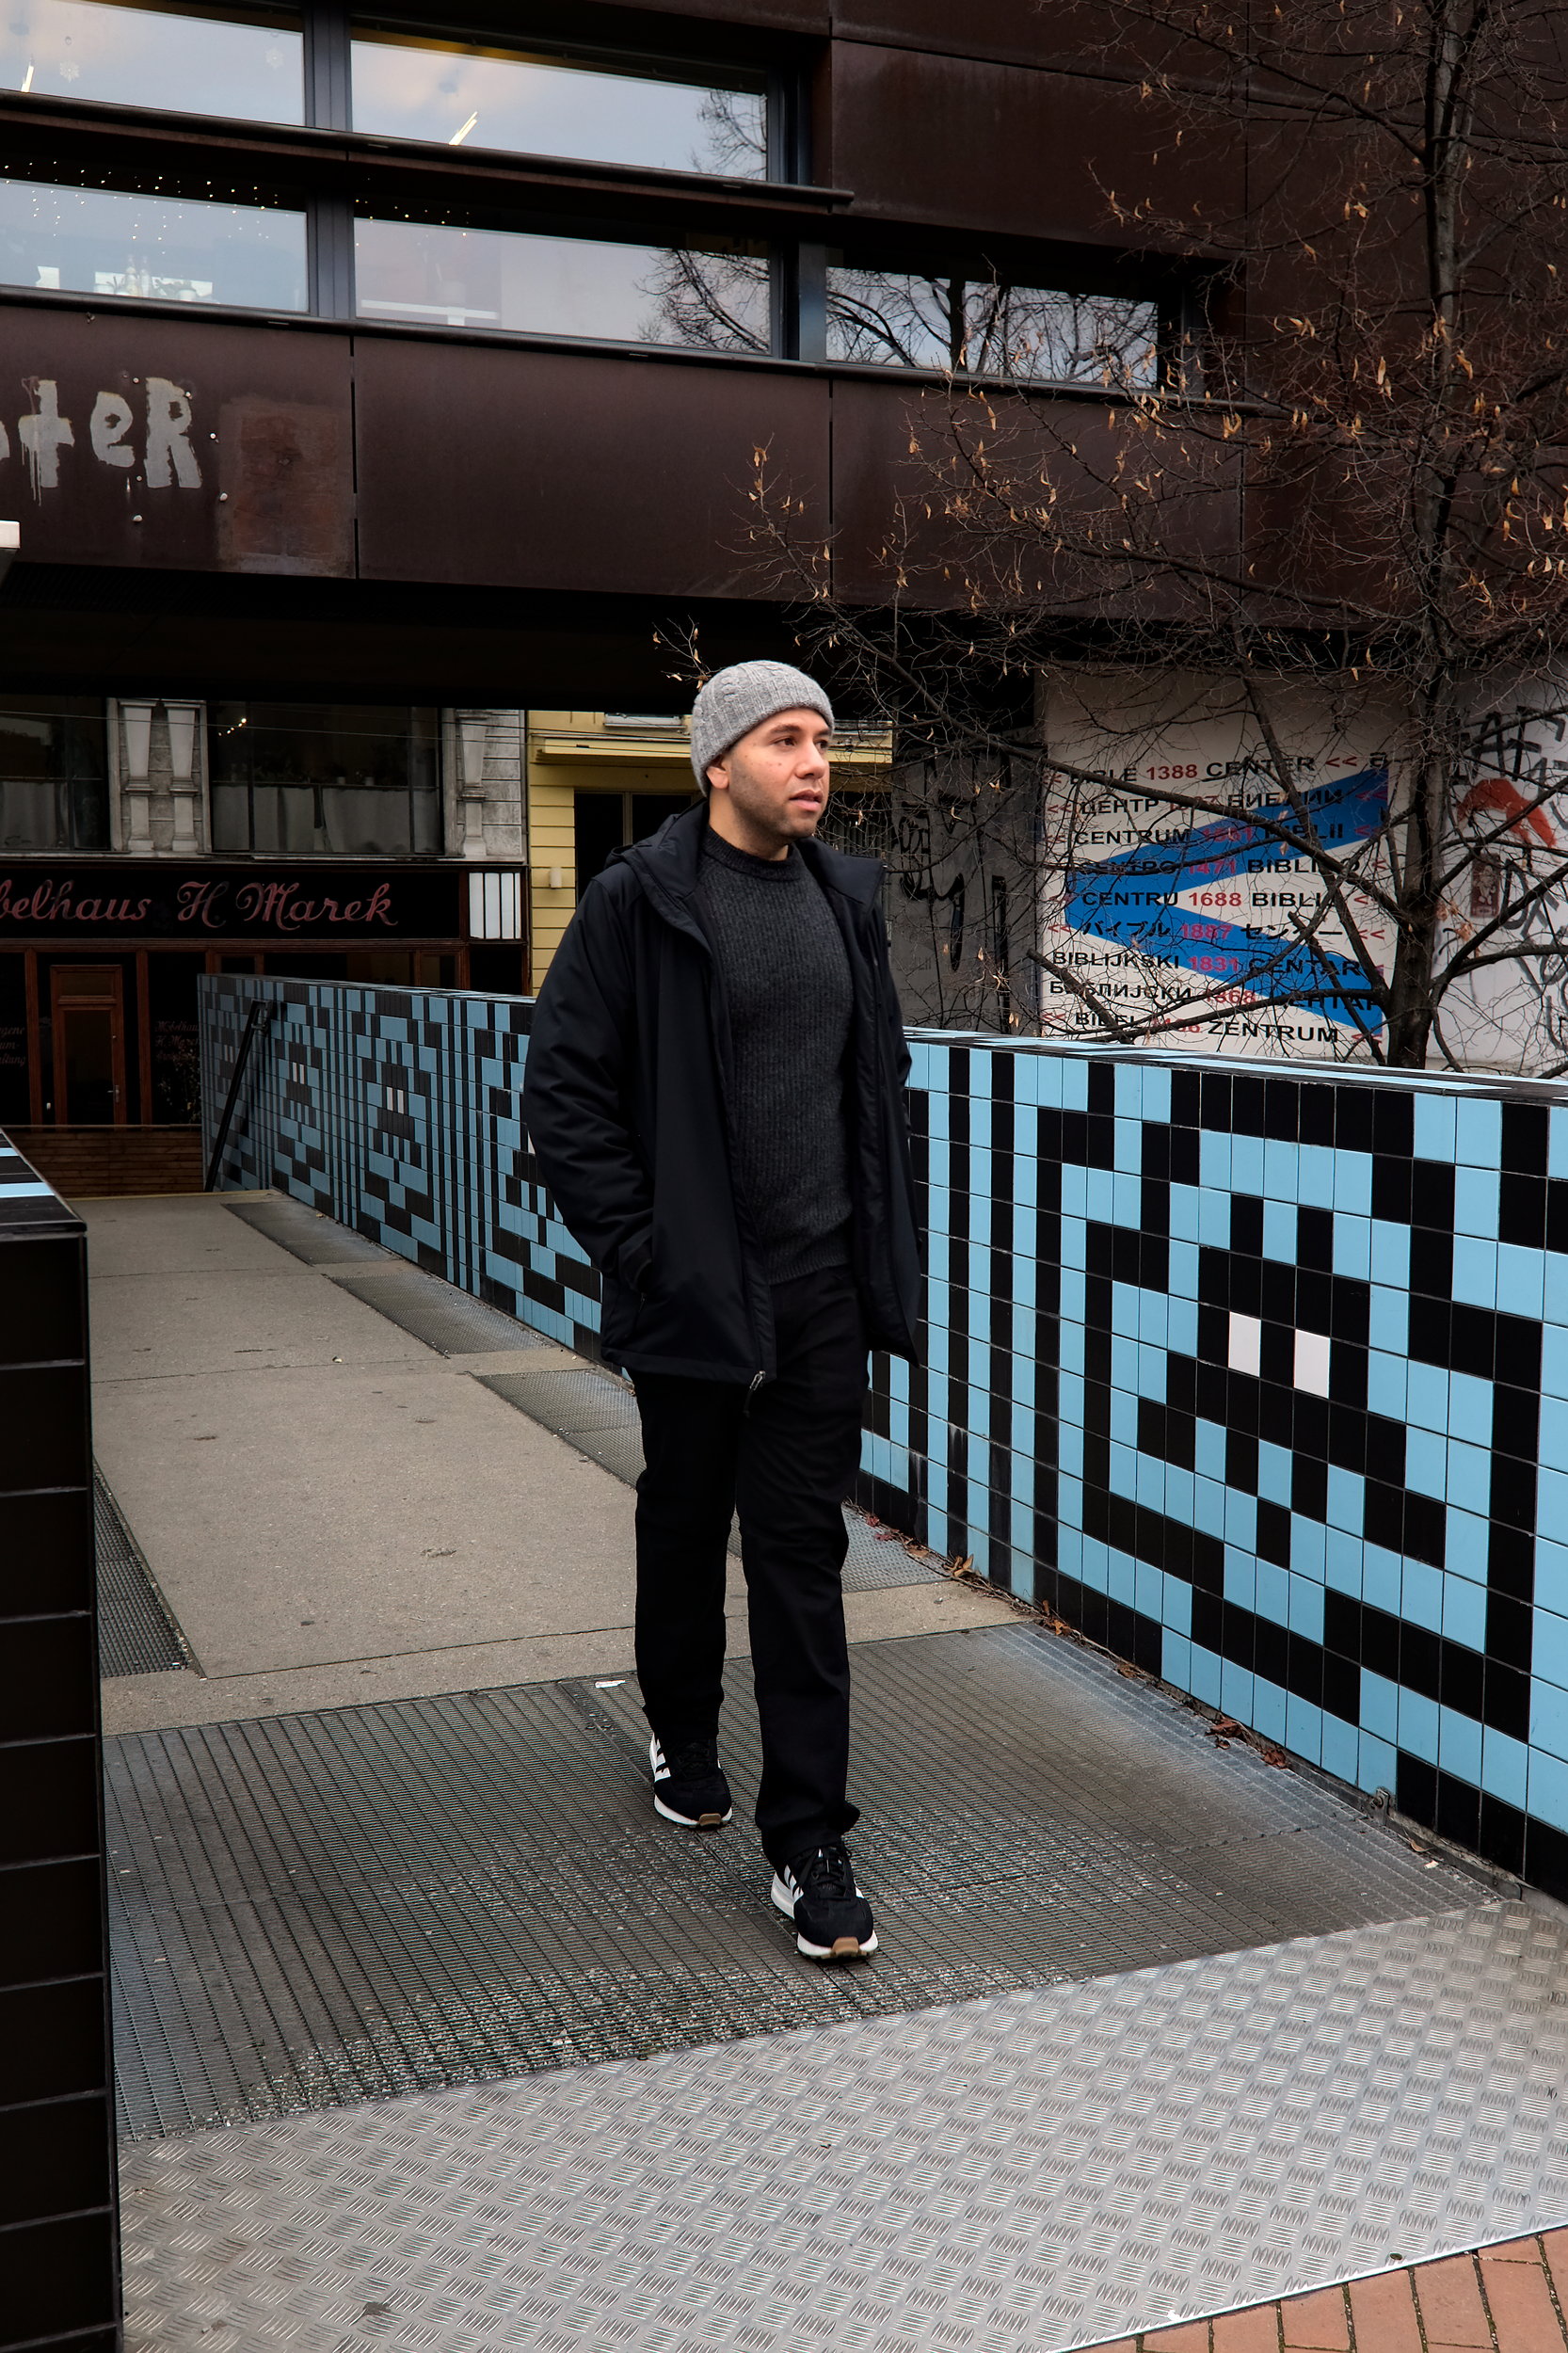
[{"x": 742, "y": 697}]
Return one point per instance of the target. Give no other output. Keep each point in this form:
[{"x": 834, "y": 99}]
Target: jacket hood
[{"x": 668, "y": 864}]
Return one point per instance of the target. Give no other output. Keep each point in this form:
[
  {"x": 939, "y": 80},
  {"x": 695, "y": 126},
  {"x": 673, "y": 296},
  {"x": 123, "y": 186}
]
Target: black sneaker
[
  {"x": 833, "y": 1920},
  {"x": 689, "y": 1786}
]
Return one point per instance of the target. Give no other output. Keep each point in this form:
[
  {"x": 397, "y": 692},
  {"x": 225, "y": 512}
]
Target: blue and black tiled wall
[
  {"x": 1258, "y": 1377},
  {"x": 1262, "y": 1380},
  {"x": 396, "y": 1112}
]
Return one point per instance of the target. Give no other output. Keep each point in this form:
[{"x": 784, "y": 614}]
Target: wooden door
[{"x": 89, "y": 1002}]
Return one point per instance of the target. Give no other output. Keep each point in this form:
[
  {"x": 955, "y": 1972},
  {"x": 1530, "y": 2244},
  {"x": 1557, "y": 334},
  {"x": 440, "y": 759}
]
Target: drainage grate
[
  {"x": 874, "y": 1561},
  {"x": 567, "y": 1400},
  {"x": 318, "y": 1909},
  {"x": 137, "y": 1634},
  {"x": 309, "y": 1234},
  {"x": 444, "y": 1318}
]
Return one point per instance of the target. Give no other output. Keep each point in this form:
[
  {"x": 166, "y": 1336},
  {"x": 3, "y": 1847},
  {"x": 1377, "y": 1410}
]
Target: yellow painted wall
[{"x": 570, "y": 752}]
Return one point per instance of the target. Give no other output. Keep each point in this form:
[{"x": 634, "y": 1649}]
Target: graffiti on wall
[
  {"x": 1171, "y": 902},
  {"x": 150, "y": 442},
  {"x": 153, "y": 432},
  {"x": 1509, "y": 899}
]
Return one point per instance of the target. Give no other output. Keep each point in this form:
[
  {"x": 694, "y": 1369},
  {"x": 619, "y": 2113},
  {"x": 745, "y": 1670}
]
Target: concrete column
[
  {"x": 484, "y": 785},
  {"x": 159, "y": 778}
]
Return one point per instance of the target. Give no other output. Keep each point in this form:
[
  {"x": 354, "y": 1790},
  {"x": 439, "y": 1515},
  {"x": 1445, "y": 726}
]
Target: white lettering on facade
[
  {"x": 169, "y": 459},
  {"x": 45, "y": 432},
  {"x": 110, "y": 422},
  {"x": 169, "y": 437}
]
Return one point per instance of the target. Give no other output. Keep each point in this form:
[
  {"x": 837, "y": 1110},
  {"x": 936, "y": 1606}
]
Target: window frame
[
  {"x": 305, "y": 168},
  {"x": 250, "y": 785},
  {"x": 1043, "y": 269},
  {"x": 292, "y": 16},
  {"x": 572, "y": 228},
  {"x": 69, "y": 785},
  {"x": 614, "y": 63}
]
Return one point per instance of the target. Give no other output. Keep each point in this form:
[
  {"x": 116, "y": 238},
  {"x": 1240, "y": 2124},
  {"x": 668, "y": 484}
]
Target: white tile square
[
  {"x": 1312, "y": 1360},
  {"x": 1246, "y": 1344}
]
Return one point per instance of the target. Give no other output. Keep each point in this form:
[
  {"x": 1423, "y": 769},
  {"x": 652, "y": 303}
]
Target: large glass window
[
  {"x": 981, "y": 325},
  {"x": 715, "y": 299},
  {"x": 165, "y": 248},
  {"x": 54, "y": 774},
  {"x": 315, "y": 781},
  {"x": 15, "y": 1108},
  {"x": 663, "y": 117},
  {"x": 171, "y": 1014},
  {"x": 191, "y": 60}
]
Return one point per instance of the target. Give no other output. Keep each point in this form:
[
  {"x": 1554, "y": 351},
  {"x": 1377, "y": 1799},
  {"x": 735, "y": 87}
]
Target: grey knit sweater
[{"x": 785, "y": 977}]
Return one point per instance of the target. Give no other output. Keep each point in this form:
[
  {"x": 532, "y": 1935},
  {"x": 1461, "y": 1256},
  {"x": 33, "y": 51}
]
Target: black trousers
[{"x": 784, "y": 1460}]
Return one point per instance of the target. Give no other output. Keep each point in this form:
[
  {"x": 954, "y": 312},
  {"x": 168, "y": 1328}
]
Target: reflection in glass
[
  {"x": 312, "y": 781},
  {"x": 164, "y": 248},
  {"x": 54, "y": 774},
  {"x": 979, "y": 327},
  {"x": 176, "y": 1056},
  {"x": 714, "y": 299},
  {"x": 15, "y": 1110},
  {"x": 454, "y": 92},
  {"x": 192, "y": 61}
]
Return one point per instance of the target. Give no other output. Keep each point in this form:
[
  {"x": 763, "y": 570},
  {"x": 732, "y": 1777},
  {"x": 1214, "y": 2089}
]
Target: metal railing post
[{"x": 256, "y": 1022}]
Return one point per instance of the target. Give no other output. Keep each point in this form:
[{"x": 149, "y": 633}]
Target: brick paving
[{"x": 1501, "y": 2300}]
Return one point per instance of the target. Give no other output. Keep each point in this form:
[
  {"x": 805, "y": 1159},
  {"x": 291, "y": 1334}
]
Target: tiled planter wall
[{"x": 1258, "y": 1376}]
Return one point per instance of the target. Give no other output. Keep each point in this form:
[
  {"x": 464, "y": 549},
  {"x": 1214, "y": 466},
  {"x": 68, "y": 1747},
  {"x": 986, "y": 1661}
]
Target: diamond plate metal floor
[
  {"x": 1044, "y": 2169},
  {"x": 317, "y": 1908}
]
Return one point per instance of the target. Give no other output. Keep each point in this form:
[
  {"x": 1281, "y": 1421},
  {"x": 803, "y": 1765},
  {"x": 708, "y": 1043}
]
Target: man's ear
[{"x": 719, "y": 773}]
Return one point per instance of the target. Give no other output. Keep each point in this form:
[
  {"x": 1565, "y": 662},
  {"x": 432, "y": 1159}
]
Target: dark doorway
[
  {"x": 649, "y": 810},
  {"x": 89, "y": 1045},
  {"x": 597, "y": 826},
  {"x": 602, "y": 821}
]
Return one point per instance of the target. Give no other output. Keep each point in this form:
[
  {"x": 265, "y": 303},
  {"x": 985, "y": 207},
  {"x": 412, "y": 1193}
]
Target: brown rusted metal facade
[
  {"x": 221, "y": 505},
  {"x": 415, "y": 458}
]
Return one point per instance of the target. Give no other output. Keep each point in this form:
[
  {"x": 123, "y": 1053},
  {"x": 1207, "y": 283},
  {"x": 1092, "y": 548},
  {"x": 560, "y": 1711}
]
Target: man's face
[{"x": 776, "y": 776}]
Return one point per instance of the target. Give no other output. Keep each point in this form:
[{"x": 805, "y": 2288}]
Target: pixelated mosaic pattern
[
  {"x": 1260, "y": 1381},
  {"x": 397, "y": 1112},
  {"x": 1264, "y": 1383}
]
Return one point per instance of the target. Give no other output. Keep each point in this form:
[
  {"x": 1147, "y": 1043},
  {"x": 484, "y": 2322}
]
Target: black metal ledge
[{"x": 54, "y": 134}]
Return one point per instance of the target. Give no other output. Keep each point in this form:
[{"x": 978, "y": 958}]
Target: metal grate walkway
[{"x": 327, "y": 1907}]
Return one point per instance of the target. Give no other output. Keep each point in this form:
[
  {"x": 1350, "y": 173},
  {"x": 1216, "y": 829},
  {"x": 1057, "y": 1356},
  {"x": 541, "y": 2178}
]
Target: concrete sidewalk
[{"x": 336, "y": 1512}]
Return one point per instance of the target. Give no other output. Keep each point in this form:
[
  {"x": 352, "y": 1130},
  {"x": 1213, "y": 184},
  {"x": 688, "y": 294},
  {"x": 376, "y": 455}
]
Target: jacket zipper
[
  {"x": 761, "y": 1374},
  {"x": 693, "y": 929}
]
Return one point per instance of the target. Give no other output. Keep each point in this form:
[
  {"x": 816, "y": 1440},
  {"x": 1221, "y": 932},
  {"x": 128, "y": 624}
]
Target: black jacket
[{"x": 624, "y": 1102}]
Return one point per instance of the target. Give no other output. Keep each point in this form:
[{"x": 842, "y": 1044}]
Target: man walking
[{"x": 715, "y": 1095}]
